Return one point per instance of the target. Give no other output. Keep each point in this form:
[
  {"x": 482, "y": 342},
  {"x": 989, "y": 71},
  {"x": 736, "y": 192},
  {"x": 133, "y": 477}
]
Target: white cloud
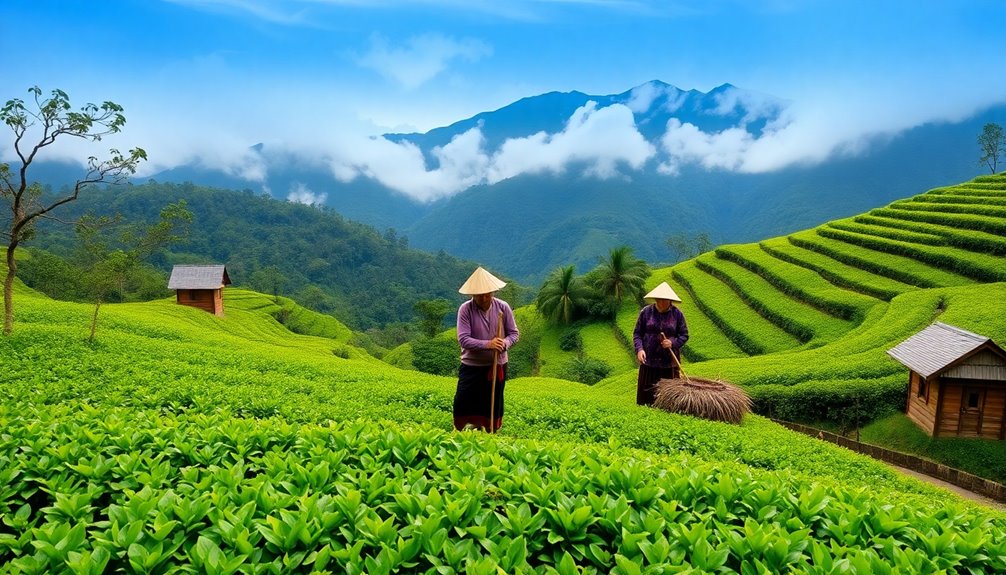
[
  {"x": 301, "y": 194},
  {"x": 421, "y": 59},
  {"x": 601, "y": 138},
  {"x": 642, "y": 97},
  {"x": 402, "y": 167},
  {"x": 686, "y": 143},
  {"x": 756, "y": 106}
]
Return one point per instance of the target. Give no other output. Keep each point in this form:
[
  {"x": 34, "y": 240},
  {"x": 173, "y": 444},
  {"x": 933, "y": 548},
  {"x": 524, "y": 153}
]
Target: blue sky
[{"x": 202, "y": 80}]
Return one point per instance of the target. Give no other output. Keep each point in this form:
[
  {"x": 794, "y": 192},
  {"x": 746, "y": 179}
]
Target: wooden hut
[
  {"x": 957, "y": 382},
  {"x": 200, "y": 286}
]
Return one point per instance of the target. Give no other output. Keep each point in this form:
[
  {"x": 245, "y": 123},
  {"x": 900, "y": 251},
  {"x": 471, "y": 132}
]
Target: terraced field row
[{"x": 811, "y": 288}]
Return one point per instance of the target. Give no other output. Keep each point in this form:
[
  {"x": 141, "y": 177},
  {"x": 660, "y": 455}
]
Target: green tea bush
[
  {"x": 980, "y": 267},
  {"x": 848, "y": 403},
  {"x": 570, "y": 339},
  {"x": 796, "y": 317},
  {"x": 585, "y": 370},
  {"x": 897, "y": 267},
  {"x": 961, "y": 221},
  {"x": 436, "y": 355},
  {"x": 839, "y": 274},
  {"x": 972, "y": 240},
  {"x": 751, "y": 332},
  {"x": 797, "y": 281},
  {"x": 911, "y": 236},
  {"x": 149, "y": 492}
]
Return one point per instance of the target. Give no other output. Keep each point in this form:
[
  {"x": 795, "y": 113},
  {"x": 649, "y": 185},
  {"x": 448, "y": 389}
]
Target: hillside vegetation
[
  {"x": 184, "y": 441},
  {"x": 179, "y": 441}
]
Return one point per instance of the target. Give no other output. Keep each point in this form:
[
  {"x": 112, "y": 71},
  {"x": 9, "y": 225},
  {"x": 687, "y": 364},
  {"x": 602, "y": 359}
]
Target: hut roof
[
  {"x": 937, "y": 347},
  {"x": 198, "y": 277}
]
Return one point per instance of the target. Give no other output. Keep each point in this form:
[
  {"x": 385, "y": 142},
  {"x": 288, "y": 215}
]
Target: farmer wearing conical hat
[
  {"x": 660, "y": 331},
  {"x": 486, "y": 330}
]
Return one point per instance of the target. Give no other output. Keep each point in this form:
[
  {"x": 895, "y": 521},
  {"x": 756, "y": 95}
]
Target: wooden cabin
[
  {"x": 200, "y": 286},
  {"x": 957, "y": 382}
]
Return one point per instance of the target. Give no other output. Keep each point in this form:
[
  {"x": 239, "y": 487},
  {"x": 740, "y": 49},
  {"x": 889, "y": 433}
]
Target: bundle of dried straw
[{"x": 716, "y": 400}]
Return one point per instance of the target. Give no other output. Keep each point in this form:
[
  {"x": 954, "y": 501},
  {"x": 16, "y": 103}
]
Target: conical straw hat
[
  {"x": 663, "y": 291},
  {"x": 481, "y": 282}
]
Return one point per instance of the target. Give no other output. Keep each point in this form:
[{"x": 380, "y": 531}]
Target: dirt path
[{"x": 970, "y": 495}]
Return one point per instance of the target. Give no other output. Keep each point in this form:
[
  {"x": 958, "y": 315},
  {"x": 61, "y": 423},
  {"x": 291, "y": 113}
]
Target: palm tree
[
  {"x": 621, "y": 275},
  {"x": 561, "y": 294}
]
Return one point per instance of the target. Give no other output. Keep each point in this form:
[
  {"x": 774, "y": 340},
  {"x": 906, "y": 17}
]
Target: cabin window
[
  {"x": 922, "y": 387},
  {"x": 973, "y": 398},
  {"x": 192, "y": 295}
]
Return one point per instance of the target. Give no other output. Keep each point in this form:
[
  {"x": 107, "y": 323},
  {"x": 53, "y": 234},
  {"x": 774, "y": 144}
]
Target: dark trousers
[
  {"x": 473, "y": 396},
  {"x": 646, "y": 382}
]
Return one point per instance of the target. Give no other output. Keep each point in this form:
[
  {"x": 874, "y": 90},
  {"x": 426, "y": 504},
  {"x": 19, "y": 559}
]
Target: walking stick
[
  {"x": 674, "y": 358},
  {"x": 492, "y": 396}
]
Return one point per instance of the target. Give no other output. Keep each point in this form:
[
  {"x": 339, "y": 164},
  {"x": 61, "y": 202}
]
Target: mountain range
[{"x": 524, "y": 223}]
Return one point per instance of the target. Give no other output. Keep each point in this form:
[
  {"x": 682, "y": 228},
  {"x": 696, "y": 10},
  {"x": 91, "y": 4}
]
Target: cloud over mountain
[{"x": 421, "y": 58}]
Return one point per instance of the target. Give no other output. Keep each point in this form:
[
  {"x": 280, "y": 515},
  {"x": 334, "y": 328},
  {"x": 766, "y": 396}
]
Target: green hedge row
[
  {"x": 796, "y": 317},
  {"x": 980, "y": 267},
  {"x": 836, "y": 272},
  {"x": 751, "y": 332},
  {"x": 900, "y": 234},
  {"x": 798, "y": 281},
  {"x": 992, "y": 199},
  {"x": 959, "y": 221},
  {"x": 971, "y": 240},
  {"x": 899, "y": 268},
  {"x": 849, "y": 403},
  {"x": 970, "y": 209}
]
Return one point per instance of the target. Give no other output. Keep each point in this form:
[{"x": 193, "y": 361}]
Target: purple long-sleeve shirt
[
  {"x": 476, "y": 328},
  {"x": 646, "y": 336}
]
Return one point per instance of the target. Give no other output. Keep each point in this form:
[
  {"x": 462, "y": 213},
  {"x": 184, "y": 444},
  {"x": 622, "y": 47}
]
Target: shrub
[
  {"x": 570, "y": 340},
  {"x": 585, "y": 370},
  {"x": 436, "y": 355}
]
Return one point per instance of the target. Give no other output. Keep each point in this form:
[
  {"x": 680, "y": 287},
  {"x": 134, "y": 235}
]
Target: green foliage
[
  {"x": 562, "y": 296},
  {"x": 992, "y": 143},
  {"x": 437, "y": 355},
  {"x": 525, "y": 357},
  {"x": 364, "y": 278},
  {"x": 431, "y": 315},
  {"x": 585, "y": 370},
  {"x": 570, "y": 339},
  {"x": 254, "y": 496},
  {"x": 750, "y": 331},
  {"x": 619, "y": 277},
  {"x": 983, "y": 457}
]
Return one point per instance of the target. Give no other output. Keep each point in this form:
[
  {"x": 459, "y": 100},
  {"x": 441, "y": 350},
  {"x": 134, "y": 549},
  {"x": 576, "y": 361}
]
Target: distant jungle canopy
[{"x": 364, "y": 277}]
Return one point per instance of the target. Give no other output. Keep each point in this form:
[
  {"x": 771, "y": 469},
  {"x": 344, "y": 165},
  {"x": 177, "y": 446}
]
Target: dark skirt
[
  {"x": 646, "y": 382},
  {"x": 472, "y": 399}
]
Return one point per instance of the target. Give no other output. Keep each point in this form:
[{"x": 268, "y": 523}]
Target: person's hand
[
  {"x": 665, "y": 342},
  {"x": 641, "y": 356},
  {"x": 497, "y": 344}
]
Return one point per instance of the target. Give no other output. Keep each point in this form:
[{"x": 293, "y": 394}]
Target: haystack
[{"x": 715, "y": 400}]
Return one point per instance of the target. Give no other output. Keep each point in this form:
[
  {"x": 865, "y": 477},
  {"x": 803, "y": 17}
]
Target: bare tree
[
  {"x": 35, "y": 127},
  {"x": 993, "y": 146}
]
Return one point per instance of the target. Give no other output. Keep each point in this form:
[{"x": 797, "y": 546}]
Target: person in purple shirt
[
  {"x": 660, "y": 331},
  {"x": 479, "y": 321}
]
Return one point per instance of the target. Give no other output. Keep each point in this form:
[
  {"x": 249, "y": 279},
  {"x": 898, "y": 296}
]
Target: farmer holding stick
[
  {"x": 486, "y": 330},
  {"x": 660, "y": 332}
]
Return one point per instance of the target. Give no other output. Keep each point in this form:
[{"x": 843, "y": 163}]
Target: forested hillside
[{"x": 363, "y": 277}]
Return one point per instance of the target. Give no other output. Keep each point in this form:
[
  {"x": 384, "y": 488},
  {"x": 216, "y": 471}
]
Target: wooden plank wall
[
  {"x": 951, "y": 415},
  {"x": 995, "y": 411},
  {"x": 921, "y": 411}
]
